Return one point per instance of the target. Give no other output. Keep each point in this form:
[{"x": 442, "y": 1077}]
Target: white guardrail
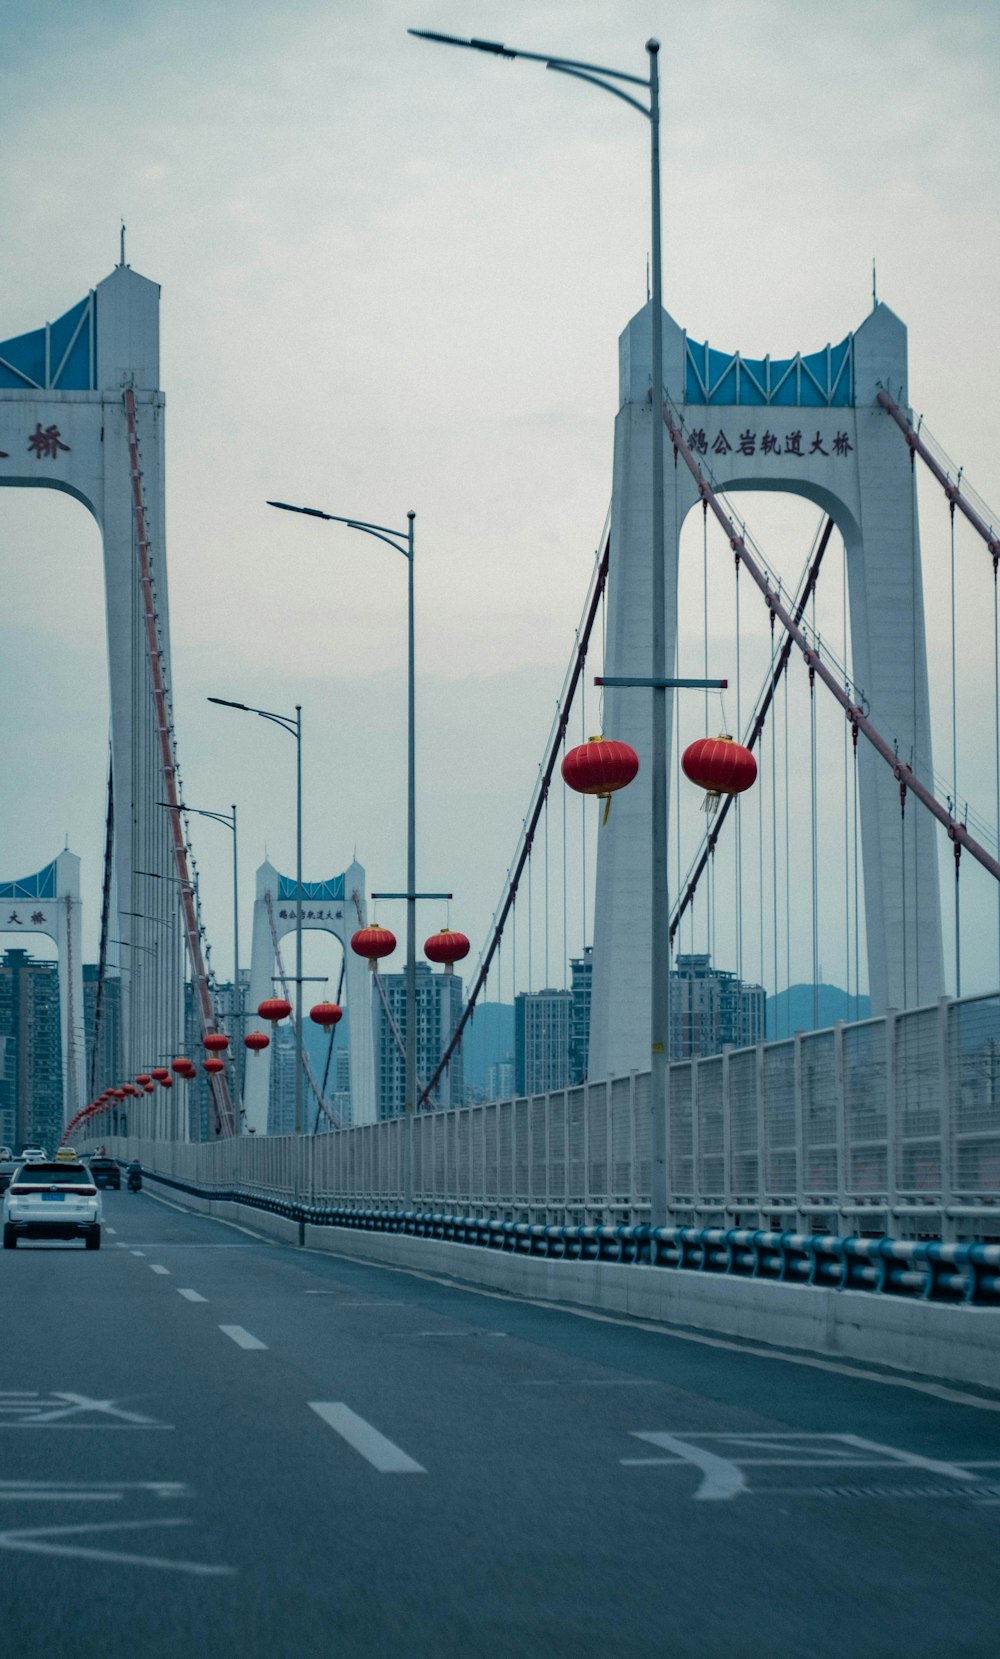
[{"x": 889, "y": 1126}]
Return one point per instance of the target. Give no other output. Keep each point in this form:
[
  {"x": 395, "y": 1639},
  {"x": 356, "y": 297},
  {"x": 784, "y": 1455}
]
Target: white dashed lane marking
[
  {"x": 192, "y": 1296},
  {"x": 155, "y": 1268},
  {"x": 373, "y": 1446},
  {"x": 242, "y": 1338}
]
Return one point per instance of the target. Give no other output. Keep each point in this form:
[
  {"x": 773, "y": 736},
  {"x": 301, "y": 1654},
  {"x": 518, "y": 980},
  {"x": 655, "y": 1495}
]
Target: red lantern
[
  {"x": 183, "y": 1068},
  {"x": 213, "y": 1066},
  {"x": 130, "y": 1089},
  {"x": 720, "y": 767},
  {"x": 600, "y": 767},
  {"x": 446, "y": 947},
  {"x": 326, "y": 1014},
  {"x": 160, "y": 1073},
  {"x": 373, "y": 942},
  {"x": 143, "y": 1078},
  {"x": 274, "y": 1009},
  {"x": 257, "y": 1041},
  {"x": 119, "y": 1094},
  {"x": 216, "y": 1042},
  {"x": 166, "y": 1082},
  {"x": 149, "y": 1088}
]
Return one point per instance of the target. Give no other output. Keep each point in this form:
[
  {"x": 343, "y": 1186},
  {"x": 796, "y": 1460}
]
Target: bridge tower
[
  {"x": 48, "y": 902},
  {"x": 811, "y": 426},
  {"x": 336, "y": 906},
  {"x": 64, "y": 426}
]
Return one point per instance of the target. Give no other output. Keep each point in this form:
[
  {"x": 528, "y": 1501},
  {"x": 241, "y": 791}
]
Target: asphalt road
[{"x": 212, "y": 1444}]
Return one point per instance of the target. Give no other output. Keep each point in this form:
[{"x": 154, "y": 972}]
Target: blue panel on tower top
[
  {"x": 22, "y": 361},
  {"x": 58, "y": 357},
  {"x": 331, "y": 891},
  {"x": 69, "y": 350},
  {"x": 40, "y": 886},
  {"x": 823, "y": 380}
]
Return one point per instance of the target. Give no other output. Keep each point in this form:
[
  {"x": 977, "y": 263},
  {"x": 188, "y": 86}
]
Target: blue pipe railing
[{"x": 925, "y": 1269}]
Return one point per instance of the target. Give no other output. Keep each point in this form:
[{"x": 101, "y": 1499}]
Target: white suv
[{"x": 49, "y": 1200}]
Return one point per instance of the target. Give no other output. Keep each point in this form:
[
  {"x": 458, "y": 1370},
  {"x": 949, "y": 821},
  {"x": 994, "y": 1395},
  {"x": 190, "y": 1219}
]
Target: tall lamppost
[
  {"x": 239, "y": 998},
  {"x": 401, "y": 541},
  {"x": 600, "y": 76},
  {"x": 294, "y": 728}
]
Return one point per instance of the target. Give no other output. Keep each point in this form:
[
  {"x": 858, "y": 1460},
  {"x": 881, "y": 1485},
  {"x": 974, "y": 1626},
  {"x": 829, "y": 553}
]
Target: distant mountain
[
  {"x": 792, "y": 1010},
  {"x": 487, "y": 1038}
]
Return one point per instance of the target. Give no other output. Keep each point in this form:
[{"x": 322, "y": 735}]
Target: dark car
[{"x": 106, "y": 1172}]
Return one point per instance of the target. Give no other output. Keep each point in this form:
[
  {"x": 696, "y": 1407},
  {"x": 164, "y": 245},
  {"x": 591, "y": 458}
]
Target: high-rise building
[
  {"x": 500, "y": 1079},
  {"x": 281, "y": 1104},
  {"x": 340, "y": 1100},
  {"x": 107, "y": 1071},
  {"x": 440, "y": 1000},
  {"x": 541, "y": 1041},
  {"x": 581, "y": 975},
  {"x": 31, "y": 1098},
  {"x": 711, "y": 1008}
]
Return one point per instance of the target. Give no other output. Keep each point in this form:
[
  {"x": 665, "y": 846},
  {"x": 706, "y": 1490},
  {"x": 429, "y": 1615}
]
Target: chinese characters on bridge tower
[
  {"x": 44, "y": 443},
  {"x": 770, "y": 444}
]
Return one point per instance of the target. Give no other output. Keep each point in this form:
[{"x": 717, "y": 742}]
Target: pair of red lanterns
[
  {"x": 446, "y": 947},
  {"x": 275, "y": 1009},
  {"x": 715, "y": 764}
]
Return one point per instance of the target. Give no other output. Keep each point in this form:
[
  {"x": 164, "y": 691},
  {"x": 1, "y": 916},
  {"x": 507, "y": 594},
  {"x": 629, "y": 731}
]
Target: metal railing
[{"x": 890, "y": 1126}]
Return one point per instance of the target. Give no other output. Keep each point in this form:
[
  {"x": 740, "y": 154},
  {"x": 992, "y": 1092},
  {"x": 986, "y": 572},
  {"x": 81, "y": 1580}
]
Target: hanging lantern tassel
[
  {"x": 600, "y": 767},
  {"x": 720, "y": 767}
]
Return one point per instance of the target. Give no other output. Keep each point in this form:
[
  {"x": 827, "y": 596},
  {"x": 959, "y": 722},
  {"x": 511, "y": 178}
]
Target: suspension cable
[
  {"x": 102, "y": 956},
  {"x": 956, "y": 495},
  {"x": 168, "y": 764},
  {"x": 902, "y": 771},
  {"x": 754, "y": 736},
  {"x": 565, "y": 706},
  {"x": 814, "y": 832}
]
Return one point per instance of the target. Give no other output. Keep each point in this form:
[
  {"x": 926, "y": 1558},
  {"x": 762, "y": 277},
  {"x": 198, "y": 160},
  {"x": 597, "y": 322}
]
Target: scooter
[{"x": 135, "y": 1180}]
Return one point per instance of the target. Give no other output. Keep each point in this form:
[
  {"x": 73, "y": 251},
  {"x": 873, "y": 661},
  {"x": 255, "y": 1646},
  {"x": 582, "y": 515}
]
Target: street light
[
  {"x": 402, "y": 542},
  {"x": 229, "y": 820},
  {"x": 294, "y": 729},
  {"x": 600, "y": 76}
]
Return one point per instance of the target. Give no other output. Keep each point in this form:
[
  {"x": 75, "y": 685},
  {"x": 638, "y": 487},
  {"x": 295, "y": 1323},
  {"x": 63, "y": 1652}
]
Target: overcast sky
[{"x": 393, "y": 276}]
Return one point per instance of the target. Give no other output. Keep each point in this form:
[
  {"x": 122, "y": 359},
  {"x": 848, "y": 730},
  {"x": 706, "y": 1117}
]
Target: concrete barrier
[{"x": 953, "y": 1344}]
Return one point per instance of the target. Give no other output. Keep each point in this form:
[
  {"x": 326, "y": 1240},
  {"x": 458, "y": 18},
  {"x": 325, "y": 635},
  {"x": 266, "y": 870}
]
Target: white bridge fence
[{"x": 890, "y": 1125}]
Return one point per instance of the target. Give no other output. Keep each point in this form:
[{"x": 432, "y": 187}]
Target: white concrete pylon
[
  {"x": 328, "y": 907},
  {"x": 830, "y": 442},
  {"x": 63, "y": 426}
]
